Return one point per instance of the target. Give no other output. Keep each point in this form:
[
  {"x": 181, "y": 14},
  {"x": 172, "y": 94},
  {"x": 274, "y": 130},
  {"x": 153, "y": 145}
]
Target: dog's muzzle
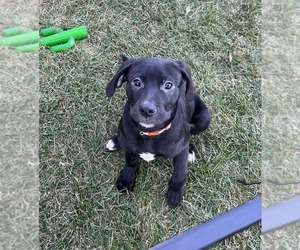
[{"x": 147, "y": 109}]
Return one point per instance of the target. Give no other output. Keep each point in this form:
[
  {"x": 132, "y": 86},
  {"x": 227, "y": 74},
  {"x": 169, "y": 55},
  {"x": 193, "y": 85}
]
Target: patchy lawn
[{"x": 80, "y": 207}]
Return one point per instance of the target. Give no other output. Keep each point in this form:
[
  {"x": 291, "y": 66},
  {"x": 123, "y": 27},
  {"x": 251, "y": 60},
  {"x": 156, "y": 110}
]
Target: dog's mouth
[
  {"x": 154, "y": 121},
  {"x": 151, "y": 122},
  {"x": 151, "y": 125},
  {"x": 145, "y": 125}
]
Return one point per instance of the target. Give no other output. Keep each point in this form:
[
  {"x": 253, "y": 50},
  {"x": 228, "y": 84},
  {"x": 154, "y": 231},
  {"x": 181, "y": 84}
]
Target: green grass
[
  {"x": 80, "y": 207},
  {"x": 280, "y": 71},
  {"x": 19, "y": 134}
]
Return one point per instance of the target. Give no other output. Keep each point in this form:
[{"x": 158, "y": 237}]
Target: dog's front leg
[
  {"x": 127, "y": 176},
  {"x": 178, "y": 179}
]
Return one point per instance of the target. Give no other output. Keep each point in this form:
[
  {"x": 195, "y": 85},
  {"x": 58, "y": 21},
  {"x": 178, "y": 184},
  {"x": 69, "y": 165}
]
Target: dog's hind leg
[
  {"x": 113, "y": 144},
  {"x": 201, "y": 117}
]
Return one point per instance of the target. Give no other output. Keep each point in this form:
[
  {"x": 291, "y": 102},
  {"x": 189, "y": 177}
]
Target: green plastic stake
[
  {"x": 20, "y": 39},
  {"x": 28, "y": 47},
  {"x": 64, "y": 36},
  {"x": 25, "y": 40},
  {"x": 51, "y": 31},
  {"x": 65, "y": 46},
  {"x": 15, "y": 31}
]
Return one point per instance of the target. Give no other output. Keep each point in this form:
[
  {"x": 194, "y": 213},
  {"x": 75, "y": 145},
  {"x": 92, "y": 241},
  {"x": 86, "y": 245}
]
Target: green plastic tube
[
  {"x": 51, "y": 31},
  {"x": 15, "y": 31},
  {"x": 63, "y": 47},
  {"x": 63, "y": 37},
  {"x": 22, "y": 39},
  {"x": 28, "y": 48}
]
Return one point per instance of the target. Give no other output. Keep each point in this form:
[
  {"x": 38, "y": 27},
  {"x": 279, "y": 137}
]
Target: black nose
[{"x": 147, "y": 109}]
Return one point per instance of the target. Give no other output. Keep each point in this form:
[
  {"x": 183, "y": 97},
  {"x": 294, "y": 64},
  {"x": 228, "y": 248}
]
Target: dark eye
[
  {"x": 137, "y": 82},
  {"x": 168, "y": 85}
]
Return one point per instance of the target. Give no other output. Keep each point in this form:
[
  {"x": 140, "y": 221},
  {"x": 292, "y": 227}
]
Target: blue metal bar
[
  {"x": 280, "y": 215},
  {"x": 222, "y": 227}
]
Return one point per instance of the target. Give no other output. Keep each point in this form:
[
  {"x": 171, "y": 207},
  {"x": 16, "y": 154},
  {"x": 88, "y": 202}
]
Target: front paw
[
  {"x": 113, "y": 144},
  {"x": 174, "y": 197},
  {"x": 126, "y": 180}
]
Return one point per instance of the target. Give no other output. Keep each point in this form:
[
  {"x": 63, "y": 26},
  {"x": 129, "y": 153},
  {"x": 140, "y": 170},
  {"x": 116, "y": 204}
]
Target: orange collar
[{"x": 156, "y": 133}]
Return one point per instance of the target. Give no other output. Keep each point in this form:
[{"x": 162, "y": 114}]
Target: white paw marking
[
  {"x": 147, "y": 156},
  {"x": 147, "y": 125},
  {"x": 110, "y": 145},
  {"x": 192, "y": 157}
]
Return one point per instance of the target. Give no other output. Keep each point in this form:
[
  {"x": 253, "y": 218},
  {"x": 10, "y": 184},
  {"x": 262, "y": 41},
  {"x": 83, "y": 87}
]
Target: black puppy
[{"x": 161, "y": 113}]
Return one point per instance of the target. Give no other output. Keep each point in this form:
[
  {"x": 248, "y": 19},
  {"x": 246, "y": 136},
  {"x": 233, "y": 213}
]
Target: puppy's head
[{"x": 153, "y": 89}]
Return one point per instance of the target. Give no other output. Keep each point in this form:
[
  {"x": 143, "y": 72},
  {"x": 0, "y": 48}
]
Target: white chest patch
[{"x": 147, "y": 156}]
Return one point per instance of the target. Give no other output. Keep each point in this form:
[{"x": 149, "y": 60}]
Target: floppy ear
[
  {"x": 187, "y": 76},
  {"x": 120, "y": 76}
]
